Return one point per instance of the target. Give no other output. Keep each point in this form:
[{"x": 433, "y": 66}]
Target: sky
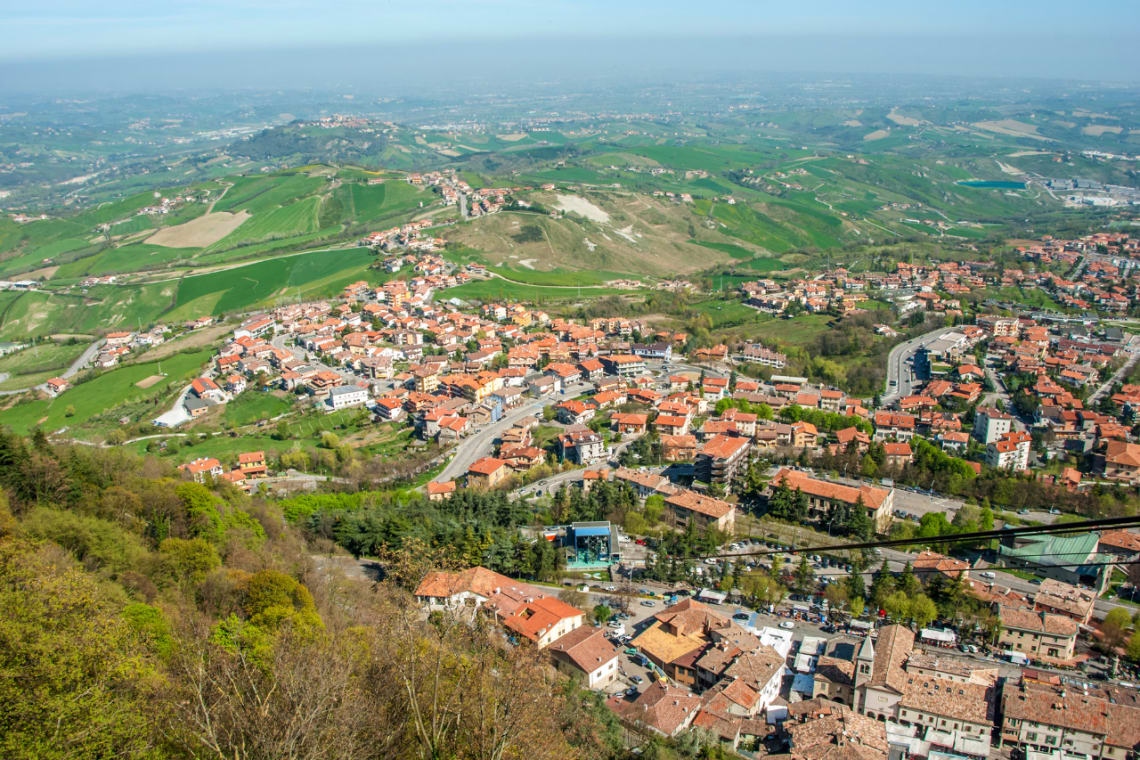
[{"x": 1085, "y": 39}]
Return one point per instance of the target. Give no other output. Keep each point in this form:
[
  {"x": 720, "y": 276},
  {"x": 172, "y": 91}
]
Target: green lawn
[
  {"x": 800, "y": 330},
  {"x": 253, "y": 406},
  {"x": 103, "y": 393},
  {"x": 224, "y": 447},
  {"x": 727, "y": 313}
]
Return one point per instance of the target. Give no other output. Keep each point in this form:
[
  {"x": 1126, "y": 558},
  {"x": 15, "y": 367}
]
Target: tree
[
  {"x": 855, "y": 604},
  {"x": 858, "y": 523},
  {"x": 1115, "y": 627},
  {"x": 1134, "y": 647},
  {"x": 188, "y": 560},
  {"x": 77, "y": 690},
  {"x": 855, "y": 586},
  {"x": 897, "y": 606},
  {"x": 602, "y": 613},
  {"x": 805, "y": 576},
  {"x": 836, "y": 595},
  {"x": 574, "y": 597},
  {"x": 922, "y": 610},
  {"x": 907, "y": 583}
]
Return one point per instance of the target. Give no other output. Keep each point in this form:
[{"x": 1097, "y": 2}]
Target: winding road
[{"x": 75, "y": 367}]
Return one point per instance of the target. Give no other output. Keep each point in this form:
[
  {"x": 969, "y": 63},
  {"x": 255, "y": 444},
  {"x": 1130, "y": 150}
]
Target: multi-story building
[
  {"x": 1009, "y": 452},
  {"x": 721, "y": 457},
  {"x": 691, "y": 508},
  {"x": 823, "y": 494},
  {"x": 991, "y": 424},
  {"x": 624, "y": 365},
  {"x": 581, "y": 446},
  {"x": 1062, "y": 598},
  {"x": 586, "y": 651},
  {"x": 1120, "y": 460},
  {"x": 1096, "y": 723},
  {"x": 487, "y": 472},
  {"x": 347, "y": 396},
  {"x": 1040, "y": 635}
]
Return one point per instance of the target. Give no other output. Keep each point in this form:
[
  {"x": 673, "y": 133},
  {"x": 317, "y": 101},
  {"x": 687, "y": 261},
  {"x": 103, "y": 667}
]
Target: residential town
[{"x": 720, "y": 438}]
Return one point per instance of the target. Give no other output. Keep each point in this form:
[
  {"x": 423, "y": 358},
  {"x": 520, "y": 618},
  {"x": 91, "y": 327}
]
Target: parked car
[
  {"x": 648, "y": 603},
  {"x": 787, "y": 624},
  {"x": 636, "y": 678}
]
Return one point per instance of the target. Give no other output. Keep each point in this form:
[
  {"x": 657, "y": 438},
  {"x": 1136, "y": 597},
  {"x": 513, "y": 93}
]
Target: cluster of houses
[
  {"x": 250, "y": 467},
  {"x": 166, "y": 205},
  {"x": 1064, "y": 358},
  {"x": 756, "y": 689},
  {"x": 114, "y": 348},
  {"x": 838, "y": 291},
  {"x": 480, "y": 202},
  {"x": 1106, "y": 280},
  {"x": 404, "y": 237},
  {"x": 117, "y": 345}
]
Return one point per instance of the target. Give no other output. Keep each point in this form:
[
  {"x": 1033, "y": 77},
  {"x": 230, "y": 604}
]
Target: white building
[
  {"x": 991, "y": 424},
  {"x": 1009, "y": 452},
  {"x": 347, "y": 396},
  {"x": 586, "y": 651}
]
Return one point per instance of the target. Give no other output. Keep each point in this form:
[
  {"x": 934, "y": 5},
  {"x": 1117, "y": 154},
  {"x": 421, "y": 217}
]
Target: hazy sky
[{"x": 1074, "y": 38}]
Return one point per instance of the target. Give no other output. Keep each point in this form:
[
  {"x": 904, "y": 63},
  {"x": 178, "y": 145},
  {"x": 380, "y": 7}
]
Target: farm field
[
  {"x": 561, "y": 277},
  {"x": 104, "y": 307},
  {"x": 306, "y": 275},
  {"x": 38, "y": 363},
  {"x": 297, "y": 218},
  {"x": 100, "y": 396}
]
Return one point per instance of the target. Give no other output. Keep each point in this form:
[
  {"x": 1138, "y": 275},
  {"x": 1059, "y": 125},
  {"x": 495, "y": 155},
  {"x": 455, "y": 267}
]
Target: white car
[{"x": 787, "y": 624}]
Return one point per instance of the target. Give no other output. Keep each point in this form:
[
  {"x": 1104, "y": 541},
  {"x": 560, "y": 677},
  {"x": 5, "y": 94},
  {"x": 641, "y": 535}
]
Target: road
[
  {"x": 1116, "y": 377},
  {"x": 75, "y": 367},
  {"x": 481, "y": 443},
  {"x": 898, "y": 381}
]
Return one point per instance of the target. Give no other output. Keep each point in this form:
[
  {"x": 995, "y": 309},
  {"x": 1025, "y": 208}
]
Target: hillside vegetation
[{"x": 153, "y": 618}]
